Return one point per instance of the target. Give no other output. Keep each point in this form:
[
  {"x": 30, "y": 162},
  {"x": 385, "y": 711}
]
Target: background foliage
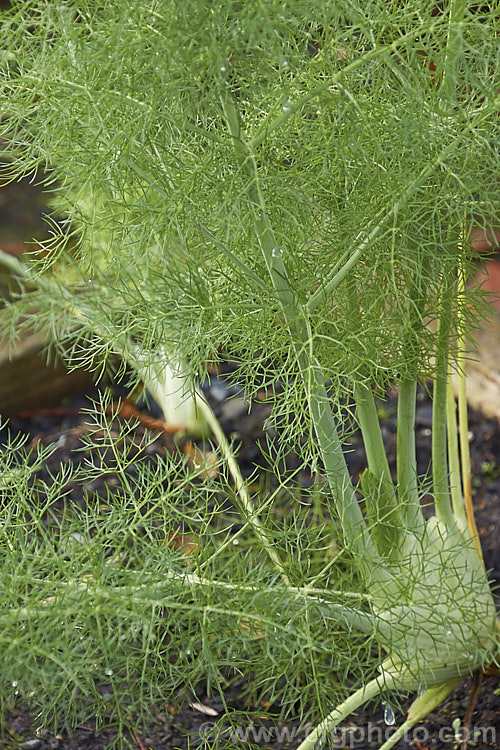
[{"x": 370, "y": 129}]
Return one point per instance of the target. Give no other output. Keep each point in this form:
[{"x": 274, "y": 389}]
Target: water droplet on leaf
[
  {"x": 389, "y": 717},
  {"x": 277, "y": 252}
]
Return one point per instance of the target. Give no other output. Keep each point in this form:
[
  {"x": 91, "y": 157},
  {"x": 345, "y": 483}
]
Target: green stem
[
  {"x": 421, "y": 707},
  {"x": 463, "y": 428},
  {"x": 350, "y": 618},
  {"x": 406, "y": 454},
  {"x": 366, "y": 412},
  {"x": 453, "y": 454},
  {"x": 463, "y": 424},
  {"x": 454, "y": 44},
  {"x": 356, "y": 534},
  {"x": 319, "y": 736},
  {"x": 12, "y": 264},
  {"x": 241, "y": 488},
  {"x": 439, "y": 442},
  {"x": 170, "y": 385}
]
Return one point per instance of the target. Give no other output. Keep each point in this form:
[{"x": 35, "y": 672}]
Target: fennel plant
[{"x": 291, "y": 183}]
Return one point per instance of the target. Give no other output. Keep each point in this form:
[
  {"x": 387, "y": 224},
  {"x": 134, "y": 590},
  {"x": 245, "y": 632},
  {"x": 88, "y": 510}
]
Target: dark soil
[{"x": 196, "y": 725}]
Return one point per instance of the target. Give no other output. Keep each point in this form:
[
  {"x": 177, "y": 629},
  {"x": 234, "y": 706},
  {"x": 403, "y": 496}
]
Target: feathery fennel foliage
[{"x": 291, "y": 183}]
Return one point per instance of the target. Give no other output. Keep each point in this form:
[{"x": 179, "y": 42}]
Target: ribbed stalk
[
  {"x": 319, "y": 736},
  {"x": 421, "y": 707},
  {"x": 454, "y": 44},
  {"x": 453, "y": 455},
  {"x": 366, "y": 412},
  {"x": 406, "y": 454},
  {"x": 463, "y": 427},
  {"x": 439, "y": 439},
  {"x": 241, "y": 488}
]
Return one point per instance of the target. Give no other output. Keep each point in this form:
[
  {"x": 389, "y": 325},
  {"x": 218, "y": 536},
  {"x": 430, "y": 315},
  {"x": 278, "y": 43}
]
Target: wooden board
[
  {"x": 483, "y": 369},
  {"x": 27, "y": 382}
]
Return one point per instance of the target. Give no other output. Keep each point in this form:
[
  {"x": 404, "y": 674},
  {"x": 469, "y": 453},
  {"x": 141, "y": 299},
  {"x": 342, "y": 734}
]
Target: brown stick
[
  {"x": 141, "y": 744},
  {"x": 123, "y": 408},
  {"x": 127, "y": 409},
  {"x": 477, "y": 680}
]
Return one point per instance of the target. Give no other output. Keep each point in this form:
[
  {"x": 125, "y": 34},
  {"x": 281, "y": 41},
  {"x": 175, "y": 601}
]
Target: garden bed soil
[{"x": 193, "y": 725}]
